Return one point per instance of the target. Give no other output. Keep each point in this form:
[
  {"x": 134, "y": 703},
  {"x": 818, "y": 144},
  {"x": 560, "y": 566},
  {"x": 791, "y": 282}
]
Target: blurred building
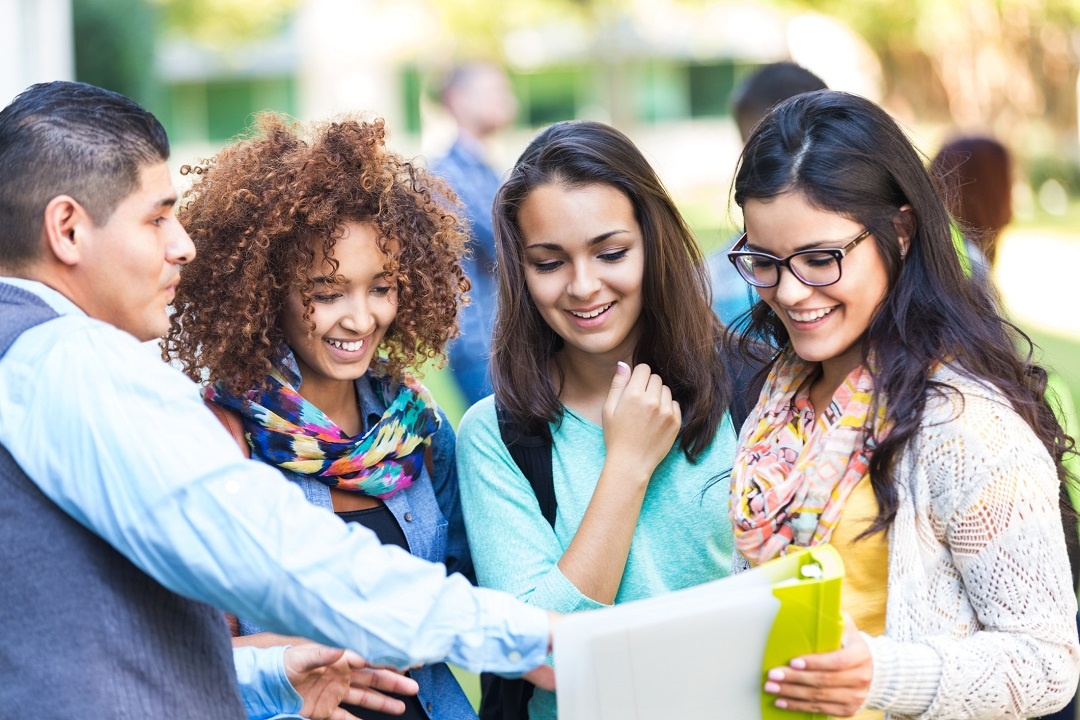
[{"x": 36, "y": 44}]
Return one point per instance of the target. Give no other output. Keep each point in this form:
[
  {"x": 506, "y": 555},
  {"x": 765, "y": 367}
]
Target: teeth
[
  {"x": 592, "y": 314},
  {"x": 809, "y": 316},
  {"x": 354, "y": 346}
]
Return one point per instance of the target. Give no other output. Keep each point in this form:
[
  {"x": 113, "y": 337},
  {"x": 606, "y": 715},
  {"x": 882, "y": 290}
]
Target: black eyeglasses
[{"x": 817, "y": 267}]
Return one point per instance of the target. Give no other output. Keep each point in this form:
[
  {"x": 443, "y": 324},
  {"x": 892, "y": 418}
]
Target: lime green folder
[{"x": 807, "y": 583}]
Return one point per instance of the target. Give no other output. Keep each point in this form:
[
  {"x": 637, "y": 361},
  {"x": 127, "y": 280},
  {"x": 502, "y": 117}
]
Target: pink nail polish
[
  {"x": 781, "y": 704},
  {"x": 798, "y": 664},
  {"x": 771, "y": 687},
  {"x": 776, "y": 674}
]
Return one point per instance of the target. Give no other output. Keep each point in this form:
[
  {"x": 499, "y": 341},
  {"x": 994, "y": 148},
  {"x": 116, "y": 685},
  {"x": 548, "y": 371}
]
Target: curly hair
[{"x": 259, "y": 212}]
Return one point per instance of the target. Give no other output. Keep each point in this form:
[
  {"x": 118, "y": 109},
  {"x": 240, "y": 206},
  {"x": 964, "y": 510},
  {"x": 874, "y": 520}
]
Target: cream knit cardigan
[{"x": 980, "y": 620}]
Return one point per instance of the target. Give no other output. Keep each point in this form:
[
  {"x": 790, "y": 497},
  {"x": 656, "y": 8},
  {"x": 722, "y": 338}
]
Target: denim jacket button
[{"x": 408, "y": 517}]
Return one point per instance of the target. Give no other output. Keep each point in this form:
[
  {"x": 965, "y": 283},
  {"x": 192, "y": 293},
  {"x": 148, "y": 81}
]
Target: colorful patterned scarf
[
  {"x": 792, "y": 475},
  {"x": 286, "y": 430}
]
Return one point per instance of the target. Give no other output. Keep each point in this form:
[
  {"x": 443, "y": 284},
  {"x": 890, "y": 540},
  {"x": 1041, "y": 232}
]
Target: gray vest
[{"x": 83, "y": 632}]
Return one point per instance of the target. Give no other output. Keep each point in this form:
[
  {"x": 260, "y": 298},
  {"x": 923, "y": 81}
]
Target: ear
[
  {"x": 904, "y": 223},
  {"x": 66, "y": 222}
]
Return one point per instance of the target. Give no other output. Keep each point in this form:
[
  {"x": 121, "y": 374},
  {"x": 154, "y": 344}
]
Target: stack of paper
[{"x": 700, "y": 653}]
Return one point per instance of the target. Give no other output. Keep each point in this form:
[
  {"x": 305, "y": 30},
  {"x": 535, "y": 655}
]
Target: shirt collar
[{"x": 53, "y": 298}]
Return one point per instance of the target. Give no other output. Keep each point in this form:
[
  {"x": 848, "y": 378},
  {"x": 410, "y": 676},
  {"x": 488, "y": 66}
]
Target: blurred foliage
[
  {"x": 114, "y": 48},
  {"x": 224, "y": 23},
  {"x": 479, "y": 26},
  {"x": 1009, "y": 66}
]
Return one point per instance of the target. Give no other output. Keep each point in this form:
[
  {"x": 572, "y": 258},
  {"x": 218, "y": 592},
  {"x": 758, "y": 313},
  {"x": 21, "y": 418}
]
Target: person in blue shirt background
[
  {"x": 750, "y": 102},
  {"x": 118, "y": 482},
  {"x": 479, "y": 98}
]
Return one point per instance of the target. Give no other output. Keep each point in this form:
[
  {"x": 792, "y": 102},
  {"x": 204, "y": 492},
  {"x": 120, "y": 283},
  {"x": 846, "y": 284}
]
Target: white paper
[{"x": 695, "y": 654}]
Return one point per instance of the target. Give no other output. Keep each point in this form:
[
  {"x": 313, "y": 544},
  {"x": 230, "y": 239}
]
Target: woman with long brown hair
[
  {"x": 900, "y": 424},
  {"x": 605, "y": 349}
]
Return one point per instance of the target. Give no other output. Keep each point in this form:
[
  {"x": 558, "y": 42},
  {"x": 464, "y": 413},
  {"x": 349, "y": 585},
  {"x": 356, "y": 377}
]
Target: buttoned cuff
[
  {"x": 264, "y": 685},
  {"x": 517, "y": 636}
]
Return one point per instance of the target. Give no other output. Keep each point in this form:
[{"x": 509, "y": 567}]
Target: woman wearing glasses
[
  {"x": 898, "y": 423},
  {"x": 606, "y": 348}
]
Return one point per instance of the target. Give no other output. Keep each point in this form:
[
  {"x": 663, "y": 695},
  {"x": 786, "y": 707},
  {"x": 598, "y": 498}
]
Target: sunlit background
[{"x": 660, "y": 70}]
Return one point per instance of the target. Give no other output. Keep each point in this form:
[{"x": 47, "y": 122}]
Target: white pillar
[{"x": 36, "y": 44}]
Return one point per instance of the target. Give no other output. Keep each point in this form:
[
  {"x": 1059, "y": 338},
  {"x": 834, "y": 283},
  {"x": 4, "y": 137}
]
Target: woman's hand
[
  {"x": 833, "y": 683},
  {"x": 641, "y": 421},
  {"x": 326, "y": 677}
]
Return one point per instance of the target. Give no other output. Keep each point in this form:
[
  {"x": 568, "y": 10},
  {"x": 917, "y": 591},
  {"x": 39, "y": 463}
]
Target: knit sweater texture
[{"x": 980, "y": 618}]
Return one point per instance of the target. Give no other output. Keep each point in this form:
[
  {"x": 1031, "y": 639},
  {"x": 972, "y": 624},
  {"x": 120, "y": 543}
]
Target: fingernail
[
  {"x": 798, "y": 664},
  {"x": 771, "y": 687},
  {"x": 781, "y": 704},
  {"x": 622, "y": 368},
  {"x": 776, "y": 674}
]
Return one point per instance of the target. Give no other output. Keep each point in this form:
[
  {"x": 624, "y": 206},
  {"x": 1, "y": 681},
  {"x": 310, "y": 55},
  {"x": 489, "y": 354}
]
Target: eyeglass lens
[{"x": 812, "y": 268}]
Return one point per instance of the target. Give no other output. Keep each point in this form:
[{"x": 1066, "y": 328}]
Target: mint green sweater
[{"x": 683, "y": 536}]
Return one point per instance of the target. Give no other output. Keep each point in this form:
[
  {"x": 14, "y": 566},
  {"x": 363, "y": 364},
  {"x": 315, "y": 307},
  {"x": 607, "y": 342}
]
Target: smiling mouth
[
  {"x": 810, "y": 315},
  {"x": 347, "y": 346},
  {"x": 591, "y": 313}
]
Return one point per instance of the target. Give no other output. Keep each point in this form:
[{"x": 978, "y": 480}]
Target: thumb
[
  {"x": 310, "y": 656},
  {"x": 618, "y": 384}
]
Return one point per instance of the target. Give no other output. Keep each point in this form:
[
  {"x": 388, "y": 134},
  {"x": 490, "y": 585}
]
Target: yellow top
[{"x": 866, "y": 567}]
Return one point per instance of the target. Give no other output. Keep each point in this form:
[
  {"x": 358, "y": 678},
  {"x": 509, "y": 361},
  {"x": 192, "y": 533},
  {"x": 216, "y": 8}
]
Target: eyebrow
[
  {"x": 594, "y": 241},
  {"x": 813, "y": 245}
]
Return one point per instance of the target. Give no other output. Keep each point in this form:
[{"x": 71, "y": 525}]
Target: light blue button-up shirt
[{"x": 123, "y": 443}]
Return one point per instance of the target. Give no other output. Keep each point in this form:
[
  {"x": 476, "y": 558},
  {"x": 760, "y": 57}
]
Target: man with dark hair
[
  {"x": 126, "y": 511},
  {"x": 752, "y": 100},
  {"x": 770, "y": 85},
  {"x": 479, "y": 98}
]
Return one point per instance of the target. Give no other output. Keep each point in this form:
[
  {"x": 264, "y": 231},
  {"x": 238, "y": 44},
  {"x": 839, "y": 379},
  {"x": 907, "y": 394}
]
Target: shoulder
[
  {"x": 964, "y": 403},
  {"x": 971, "y": 438},
  {"x": 72, "y": 351},
  {"x": 479, "y": 420}
]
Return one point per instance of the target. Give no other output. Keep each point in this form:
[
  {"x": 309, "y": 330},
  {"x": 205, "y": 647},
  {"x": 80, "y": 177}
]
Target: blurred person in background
[
  {"x": 480, "y": 99},
  {"x": 976, "y": 176},
  {"x": 750, "y": 102}
]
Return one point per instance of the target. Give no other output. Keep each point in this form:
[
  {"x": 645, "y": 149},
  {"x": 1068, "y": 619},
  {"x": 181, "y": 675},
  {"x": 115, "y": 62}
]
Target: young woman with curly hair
[
  {"x": 326, "y": 265},
  {"x": 900, "y": 424},
  {"x": 606, "y": 346}
]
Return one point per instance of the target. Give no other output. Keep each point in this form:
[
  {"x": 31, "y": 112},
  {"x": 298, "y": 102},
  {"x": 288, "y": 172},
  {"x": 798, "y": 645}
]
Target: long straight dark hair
[
  {"x": 680, "y": 335},
  {"x": 845, "y": 155}
]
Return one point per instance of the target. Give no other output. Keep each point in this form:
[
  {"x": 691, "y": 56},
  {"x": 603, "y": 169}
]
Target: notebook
[{"x": 702, "y": 652}]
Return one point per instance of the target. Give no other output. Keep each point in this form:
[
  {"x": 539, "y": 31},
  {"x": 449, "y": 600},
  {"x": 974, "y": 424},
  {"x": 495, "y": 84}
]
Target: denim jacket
[{"x": 429, "y": 513}]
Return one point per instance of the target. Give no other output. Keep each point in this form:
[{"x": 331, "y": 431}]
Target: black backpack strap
[
  {"x": 532, "y": 453},
  {"x": 746, "y": 378},
  {"x": 502, "y": 698}
]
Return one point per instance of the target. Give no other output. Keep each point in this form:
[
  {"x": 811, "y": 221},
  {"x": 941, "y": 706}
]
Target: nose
[
  {"x": 584, "y": 283},
  {"x": 180, "y": 250},
  {"x": 358, "y": 317},
  {"x": 790, "y": 290}
]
